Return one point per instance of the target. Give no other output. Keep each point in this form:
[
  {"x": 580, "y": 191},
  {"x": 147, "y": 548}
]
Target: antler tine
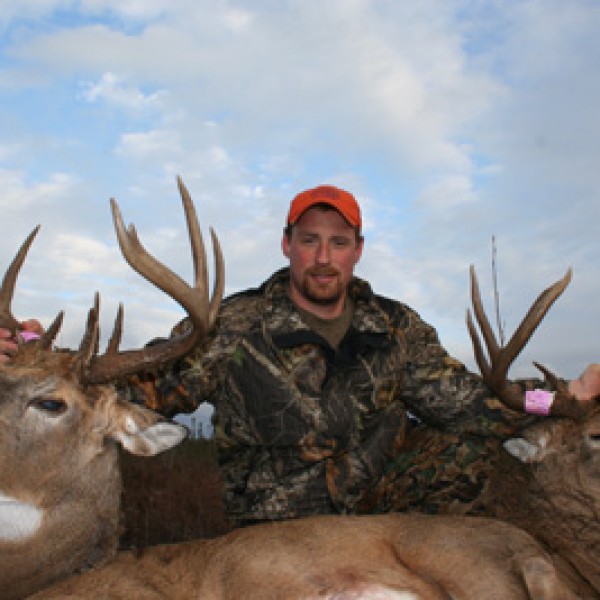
[
  {"x": 533, "y": 317},
  {"x": 50, "y": 334},
  {"x": 89, "y": 343},
  {"x": 194, "y": 299},
  {"x": 115, "y": 338},
  {"x": 495, "y": 371},
  {"x": 219, "y": 283},
  {"x": 199, "y": 254},
  {"x": 196, "y": 239},
  {"x": 555, "y": 382},
  {"x": 196, "y": 304},
  {"x": 484, "y": 324},
  {"x": 482, "y": 362},
  {"x": 7, "y": 320},
  {"x": 141, "y": 261}
]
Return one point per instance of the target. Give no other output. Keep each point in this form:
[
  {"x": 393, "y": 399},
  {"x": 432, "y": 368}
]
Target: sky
[{"x": 467, "y": 130}]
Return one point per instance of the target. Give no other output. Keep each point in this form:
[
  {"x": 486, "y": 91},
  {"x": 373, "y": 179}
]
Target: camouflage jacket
[{"x": 301, "y": 427}]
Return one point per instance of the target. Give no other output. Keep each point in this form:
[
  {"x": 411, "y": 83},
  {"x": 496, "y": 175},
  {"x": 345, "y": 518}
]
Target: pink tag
[
  {"x": 29, "y": 336},
  {"x": 538, "y": 402}
]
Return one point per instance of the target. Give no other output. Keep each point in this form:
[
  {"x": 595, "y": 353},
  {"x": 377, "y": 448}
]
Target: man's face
[{"x": 323, "y": 251}]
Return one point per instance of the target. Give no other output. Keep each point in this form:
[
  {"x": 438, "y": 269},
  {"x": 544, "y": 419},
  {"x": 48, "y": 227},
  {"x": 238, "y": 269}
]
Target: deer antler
[
  {"x": 495, "y": 371},
  {"x": 7, "y": 320},
  {"x": 201, "y": 310}
]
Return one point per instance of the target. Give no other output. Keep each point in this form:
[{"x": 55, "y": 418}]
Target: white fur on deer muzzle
[{"x": 18, "y": 520}]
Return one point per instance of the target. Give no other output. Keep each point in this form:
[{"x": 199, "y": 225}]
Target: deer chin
[{"x": 18, "y": 520}]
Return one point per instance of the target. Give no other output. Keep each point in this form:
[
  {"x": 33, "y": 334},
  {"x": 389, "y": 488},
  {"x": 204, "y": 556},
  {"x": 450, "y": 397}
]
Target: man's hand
[
  {"x": 7, "y": 345},
  {"x": 31, "y": 329},
  {"x": 587, "y": 386}
]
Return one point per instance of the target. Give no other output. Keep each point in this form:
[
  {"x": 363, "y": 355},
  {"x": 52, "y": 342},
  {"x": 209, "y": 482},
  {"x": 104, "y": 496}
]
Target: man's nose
[{"x": 323, "y": 254}]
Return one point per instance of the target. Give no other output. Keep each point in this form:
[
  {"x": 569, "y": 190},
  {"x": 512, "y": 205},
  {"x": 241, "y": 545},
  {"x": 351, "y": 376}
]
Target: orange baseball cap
[{"x": 344, "y": 202}]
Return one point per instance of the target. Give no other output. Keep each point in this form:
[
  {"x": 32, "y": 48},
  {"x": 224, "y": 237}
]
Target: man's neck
[
  {"x": 333, "y": 330},
  {"x": 323, "y": 311}
]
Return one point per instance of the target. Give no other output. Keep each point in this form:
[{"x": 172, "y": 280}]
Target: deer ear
[
  {"x": 531, "y": 450},
  {"x": 522, "y": 450},
  {"x": 147, "y": 439}
]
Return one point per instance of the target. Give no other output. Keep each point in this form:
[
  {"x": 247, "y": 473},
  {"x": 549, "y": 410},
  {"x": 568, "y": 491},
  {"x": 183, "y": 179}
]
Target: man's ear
[
  {"x": 285, "y": 244},
  {"x": 359, "y": 249}
]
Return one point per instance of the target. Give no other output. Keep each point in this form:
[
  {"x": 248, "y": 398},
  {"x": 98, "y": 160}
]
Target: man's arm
[
  {"x": 197, "y": 377},
  {"x": 442, "y": 392}
]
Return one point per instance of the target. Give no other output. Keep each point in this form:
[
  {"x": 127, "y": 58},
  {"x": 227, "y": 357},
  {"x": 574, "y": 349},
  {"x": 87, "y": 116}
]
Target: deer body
[{"x": 386, "y": 556}]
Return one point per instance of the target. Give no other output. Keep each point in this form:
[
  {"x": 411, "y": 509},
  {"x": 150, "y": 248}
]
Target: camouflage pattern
[
  {"x": 303, "y": 428},
  {"x": 437, "y": 473}
]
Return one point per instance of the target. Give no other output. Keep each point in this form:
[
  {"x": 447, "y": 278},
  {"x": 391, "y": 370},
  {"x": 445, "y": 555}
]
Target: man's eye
[
  {"x": 51, "y": 405},
  {"x": 341, "y": 243},
  {"x": 308, "y": 240}
]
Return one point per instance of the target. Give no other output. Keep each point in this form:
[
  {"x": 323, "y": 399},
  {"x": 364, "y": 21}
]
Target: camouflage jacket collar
[{"x": 284, "y": 322}]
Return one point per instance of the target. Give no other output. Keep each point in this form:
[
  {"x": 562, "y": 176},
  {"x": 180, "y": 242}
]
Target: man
[{"x": 320, "y": 386}]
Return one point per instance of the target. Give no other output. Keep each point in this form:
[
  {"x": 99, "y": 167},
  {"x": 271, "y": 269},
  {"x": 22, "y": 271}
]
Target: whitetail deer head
[{"x": 61, "y": 420}]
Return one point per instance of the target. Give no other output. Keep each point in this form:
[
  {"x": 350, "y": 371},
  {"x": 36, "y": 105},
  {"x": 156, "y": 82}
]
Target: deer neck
[
  {"x": 58, "y": 536},
  {"x": 532, "y": 496}
]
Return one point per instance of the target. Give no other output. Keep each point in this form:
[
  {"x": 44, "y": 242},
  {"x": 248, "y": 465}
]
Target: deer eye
[{"x": 50, "y": 405}]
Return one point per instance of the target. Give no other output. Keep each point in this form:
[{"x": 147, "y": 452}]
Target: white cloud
[
  {"x": 135, "y": 9},
  {"x": 116, "y": 90},
  {"x": 139, "y": 145},
  {"x": 18, "y": 198},
  {"x": 452, "y": 193}
]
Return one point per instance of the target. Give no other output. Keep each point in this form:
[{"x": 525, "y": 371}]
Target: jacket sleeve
[
  {"x": 193, "y": 379},
  {"x": 440, "y": 391},
  {"x": 180, "y": 387}
]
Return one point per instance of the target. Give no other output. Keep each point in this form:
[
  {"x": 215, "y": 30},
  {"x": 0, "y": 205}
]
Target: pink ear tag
[{"x": 29, "y": 336}]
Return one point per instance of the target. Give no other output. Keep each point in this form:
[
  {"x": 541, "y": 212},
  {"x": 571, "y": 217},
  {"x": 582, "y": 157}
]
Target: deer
[
  {"x": 556, "y": 497},
  {"x": 61, "y": 420},
  {"x": 552, "y": 489}
]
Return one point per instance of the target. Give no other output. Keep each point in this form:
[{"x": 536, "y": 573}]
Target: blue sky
[{"x": 452, "y": 122}]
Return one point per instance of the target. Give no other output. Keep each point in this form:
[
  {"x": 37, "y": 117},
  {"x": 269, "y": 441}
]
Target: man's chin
[
  {"x": 323, "y": 301},
  {"x": 322, "y": 297}
]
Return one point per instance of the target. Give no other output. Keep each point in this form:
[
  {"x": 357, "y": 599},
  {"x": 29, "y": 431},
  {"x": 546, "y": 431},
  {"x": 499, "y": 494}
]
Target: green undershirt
[{"x": 333, "y": 330}]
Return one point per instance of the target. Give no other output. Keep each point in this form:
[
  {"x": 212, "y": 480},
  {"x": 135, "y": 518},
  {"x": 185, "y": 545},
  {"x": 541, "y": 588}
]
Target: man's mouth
[{"x": 322, "y": 277}]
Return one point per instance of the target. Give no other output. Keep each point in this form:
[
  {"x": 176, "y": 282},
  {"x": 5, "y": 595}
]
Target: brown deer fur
[{"x": 553, "y": 490}]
